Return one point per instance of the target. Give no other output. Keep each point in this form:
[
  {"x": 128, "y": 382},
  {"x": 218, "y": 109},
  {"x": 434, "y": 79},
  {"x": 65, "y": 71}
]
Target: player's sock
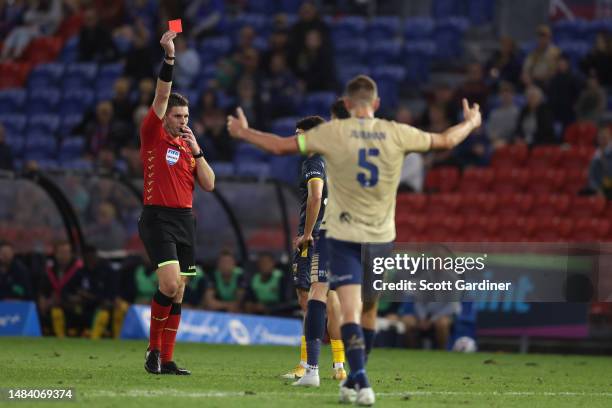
[
  {"x": 168, "y": 338},
  {"x": 314, "y": 328},
  {"x": 58, "y": 322},
  {"x": 369, "y": 336},
  {"x": 352, "y": 336},
  {"x": 337, "y": 347},
  {"x": 303, "y": 352},
  {"x": 160, "y": 308},
  {"x": 100, "y": 323},
  {"x": 119, "y": 313}
]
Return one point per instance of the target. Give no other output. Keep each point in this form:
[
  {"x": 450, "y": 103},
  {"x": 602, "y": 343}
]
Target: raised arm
[
  {"x": 453, "y": 136},
  {"x": 164, "y": 82},
  {"x": 238, "y": 127}
]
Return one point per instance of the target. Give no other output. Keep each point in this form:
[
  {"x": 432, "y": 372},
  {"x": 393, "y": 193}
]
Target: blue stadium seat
[
  {"x": 290, "y": 6},
  {"x": 383, "y": 28},
  {"x": 285, "y": 168},
  {"x": 105, "y": 94},
  {"x": 448, "y": 36},
  {"x": 347, "y": 72},
  {"x": 447, "y": 8},
  {"x": 43, "y": 101},
  {"x": 80, "y": 164},
  {"x": 568, "y": 30},
  {"x": 418, "y": 28},
  {"x": 76, "y": 102},
  {"x": 223, "y": 169},
  {"x": 286, "y": 126},
  {"x": 45, "y": 163},
  {"x": 266, "y": 7},
  {"x": 385, "y": 51},
  {"x": 480, "y": 11},
  {"x": 41, "y": 144},
  {"x": 317, "y": 103},
  {"x": 249, "y": 153},
  {"x": 107, "y": 75},
  {"x": 16, "y": 142},
  {"x": 70, "y": 52},
  {"x": 253, "y": 169},
  {"x": 80, "y": 75},
  {"x": 44, "y": 123},
  {"x": 348, "y": 28},
  {"x": 69, "y": 122},
  {"x": 388, "y": 79},
  {"x": 260, "y": 22},
  {"x": 14, "y": 123},
  {"x": 211, "y": 49},
  {"x": 417, "y": 60},
  {"x": 71, "y": 148},
  {"x": 206, "y": 74},
  {"x": 46, "y": 75},
  {"x": 12, "y": 100},
  {"x": 575, "y": 50},
  {"x": 351, "y": 51}
]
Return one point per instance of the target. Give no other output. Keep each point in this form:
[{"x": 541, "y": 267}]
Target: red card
[{"x": 175, "y": 25}]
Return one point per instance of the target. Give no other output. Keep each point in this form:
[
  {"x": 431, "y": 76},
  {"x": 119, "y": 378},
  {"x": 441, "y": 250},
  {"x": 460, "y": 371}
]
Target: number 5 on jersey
[{"x": 362, "y": 177}]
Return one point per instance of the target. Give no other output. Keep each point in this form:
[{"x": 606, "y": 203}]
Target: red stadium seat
[
  {"x": 587, "y": 207},
  {"x": 480, "y": 229},
  {"x": 411, "y": 228},
  {"x": 544, "y": 157},
  {"x": 546, "y": 180},
  {"x": 510, "y": 180},
  {"x": 442, "y": 179},
  {"x": 591, "y": 229},
  {"x": 476, "y": 180},
  {"x": 14, "y": 74},
  {"x": 514, "y": 204},
  {"x": 577, "y": 157},
  {"x": 550, "y": 205},
  {"x": 443, "y": 204},
  {"x": 42, "y": 49},
  {"x": 444, "y": 228},
  {"x": 70, "y": 26},
  {"x": 552, "y": 229},
  {"x": 409, "y": 204},
  {"x": 478, "y": 204},
  {"x": 510, "y": 156},
  {"x": 514, "y": 229},
  {"x": 581, "y": 134},
  {"x": 575, "y": 180}
]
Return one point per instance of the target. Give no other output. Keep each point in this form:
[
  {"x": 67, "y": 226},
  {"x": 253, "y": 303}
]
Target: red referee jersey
[{"x": 169, "y": 166}]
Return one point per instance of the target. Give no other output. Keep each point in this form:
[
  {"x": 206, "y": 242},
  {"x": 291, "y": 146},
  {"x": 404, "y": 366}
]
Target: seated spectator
[
  {"x": 505, "y": 64},
  {"x": 474, "y": 89},
  {"x": 187, "y": 64},
  {"x": 137, "y": 280},
  {"x": 563, "y": 91},
  {"x": 428, "y": 318},
  {"x": 266, "y": 289},
  {"x": 140, "y": 59},
  {"x": 309, "y": 19},
  {"x": 107, "y": 234},
  {"x": 279, "y": 89},
  {"x": 15, "y": 280},
  {"x": 226, "y": 287},
  {"x": 101, "y": 129},
  {"x": 277, "y": 44},
  {"x": 195, "y": 290},
  {"x": 599, "y": 60},
  {"x": 58, "y": 298},
  {"x": 6, "y": 153},
  {"x": 249, "y": 100},
  {"x": 95, "y": 41},
  {"x": 442, "y": 97},
  {"x": 11, "y": 14},
  {"x": 211, "y": 128},
  {"x": 541, "y": 63},
  {"x": 146, "y": 92},
  {"x": 592, "y": 101},
  {"x": 535, "y": 123},
  {"x": 600, "y": 169},
  {"x": 314, "y": 63},
  {"x": 502, "y": 120},
  {"x": 123, "y": 107},
  {"x": 106, "y": 162}
]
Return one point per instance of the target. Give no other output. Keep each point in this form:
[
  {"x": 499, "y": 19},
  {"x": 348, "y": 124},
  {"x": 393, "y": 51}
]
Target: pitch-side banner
[
  {"x": 19, "y": 319},
  {"x": 214, "y": 327}
]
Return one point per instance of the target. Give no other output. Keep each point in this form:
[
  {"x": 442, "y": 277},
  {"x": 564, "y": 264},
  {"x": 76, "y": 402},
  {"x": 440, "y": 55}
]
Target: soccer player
[
  {"x": 172, "y": 162},
  {"x": 364, "y": 157},
  {"x": 310, "y": 272}
]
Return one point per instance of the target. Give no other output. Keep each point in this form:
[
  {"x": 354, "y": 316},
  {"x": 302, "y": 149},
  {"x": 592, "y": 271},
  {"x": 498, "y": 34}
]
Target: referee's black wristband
[{"x": 165, "y": 73}]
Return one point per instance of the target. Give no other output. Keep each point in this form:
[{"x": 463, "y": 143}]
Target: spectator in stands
[
  {"x": 102, "y": 130},
  {"x": 413, "y": 170},
  {"x": 266, "y": 288},
  {"x": 422, "y": 319},
  {"x": 249, "y": 66},
  {"x": 15, "y": 280},
  {"x": 309, "y": 19},
  {"x": 280, "y": 89},
  {"x": 474, "y": 88},
  {"x": 505, "y": 64},
  {"x": 195, "y": 290},
  {"x": 249, "y": 100},
  {"x": 107, "y": 234},
  {"x": 562, "y": 92},
  {"x": 277, "y": 44},
  {"x": 541, "y": 63},
  {"x": 211, "y": 128},
  {"x": 146, "y": 92},
  {"x": 106, "y": 162},
  {"x": 111, "y": 13},
  {"x": 437, "y": 119},
  {"x": 11, "y": 13},
  {"x": 140, "y": 59},
  {"x": 502, "y": 120},
  {"x": 535, "y": 124},
  {"x": 246, "y": 39},
  {"x": 41, "y": 18},
  {"x": 205, "y": 17},
  {"x": 131, "y": 155},
  {"x": 123, "y": 107},
  {"x": 187, "y": 64},
  {"x": 95, "y": 41},
  {"x": 226, "y": 287},
  {"x": 600, "y": 169},
  {"x": 592, "y": 101},
  {"x": 137, "y": 280},
  {"x": 599, "y": 60},
  {"x": 6, "y": 154},
  {"x": 442, "y": 97},
  {"x": 58, "y": 298},
  {"x": 314, "y": 63}
]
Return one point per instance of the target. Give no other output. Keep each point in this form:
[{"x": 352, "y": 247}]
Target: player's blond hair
[{"x": 362, "y": 90}]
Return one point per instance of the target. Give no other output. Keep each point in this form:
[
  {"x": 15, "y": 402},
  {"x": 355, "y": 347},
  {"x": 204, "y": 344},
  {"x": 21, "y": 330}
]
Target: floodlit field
[{"x": 110, "y": 374}]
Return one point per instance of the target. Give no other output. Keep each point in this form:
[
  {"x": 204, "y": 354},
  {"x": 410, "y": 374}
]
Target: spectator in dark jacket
[
  {"x": 505, "y": 64},
  {"x": 315, "y": 63},
  {"x": 15, "y": 281},
  {"x": 600, "y": 169},
  {"x": 95, "y": 41},
  {"x": 535, "y": 124},
  {"x": 6, "y": 154},
  {"x": 563, "y": 91},
  {"x": 599, "y": 60}
]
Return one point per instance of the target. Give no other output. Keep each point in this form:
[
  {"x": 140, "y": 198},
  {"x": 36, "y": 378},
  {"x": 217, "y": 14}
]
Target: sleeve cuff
[{"x": 301, "y": 141}]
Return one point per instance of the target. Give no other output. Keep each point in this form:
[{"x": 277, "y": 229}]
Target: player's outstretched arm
[
  {"x": 164, "y": 81},
  {"x": 452, "y": 136},
  {"x": 238, "y": 127}
]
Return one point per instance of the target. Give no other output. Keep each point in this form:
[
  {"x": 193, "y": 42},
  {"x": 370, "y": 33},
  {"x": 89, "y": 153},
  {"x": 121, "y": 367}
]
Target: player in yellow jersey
[{"x": 364, "y": 157}]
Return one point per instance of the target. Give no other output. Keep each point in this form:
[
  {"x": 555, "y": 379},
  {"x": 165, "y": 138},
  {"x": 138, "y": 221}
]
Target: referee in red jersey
[{"x": 172, "y": 162}]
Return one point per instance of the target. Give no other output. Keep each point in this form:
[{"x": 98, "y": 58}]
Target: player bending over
[
  {"x": 364, "y": 157},
  {"x": 172, "y": 161}
]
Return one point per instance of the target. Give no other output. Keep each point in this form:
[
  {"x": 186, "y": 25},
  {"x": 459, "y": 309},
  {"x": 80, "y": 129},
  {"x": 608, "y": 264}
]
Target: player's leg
[
  {"x": 334, "y": 321},
  {"x": 442, "y": 328},
  {"x": 368, "y": 323}
]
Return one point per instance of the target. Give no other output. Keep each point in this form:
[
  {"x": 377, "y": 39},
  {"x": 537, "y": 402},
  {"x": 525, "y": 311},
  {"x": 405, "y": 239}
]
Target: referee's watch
[{"x": 197, "y": 156}]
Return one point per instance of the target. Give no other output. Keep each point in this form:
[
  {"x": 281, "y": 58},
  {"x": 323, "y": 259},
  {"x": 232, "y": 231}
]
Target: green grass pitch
[{"x": 110, "y": 374}]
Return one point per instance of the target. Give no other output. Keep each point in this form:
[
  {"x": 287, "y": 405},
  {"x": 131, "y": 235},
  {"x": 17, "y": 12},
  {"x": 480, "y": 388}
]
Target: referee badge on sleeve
[{"x": 172, "y": 156}]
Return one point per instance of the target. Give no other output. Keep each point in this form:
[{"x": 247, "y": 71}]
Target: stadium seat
[
  {"x": 544, "y": 157},
  {"x": 476, "y": 180},
  {"x": 14, "y": 123},
  {"x": 212, "y": 48},
  {"x": 446, "y": 8},
  {"x": 69, "y": 122},
  {"x": 223, "y": 169},
  {"x": 412, "y": 228},
  {"x": 268, "y": 7},
  {"x": 259, "y": 171},
  {"x": 80, "y": 75},
  {"x": 43, "y": 101},
  {"x": 16, "y": 143},
  {"x": 510, "y": 156},
  {"x": 286, "y": 168},
  {"x": 46, "y": 75},
  {"x": 409, "y": 204},
  {"x": 546, "y": 180},
  {"x": 248, "y": 153},
  {"x": 510, "y": 180},
  {"x": 590, "y": 229},
  {"x": 14, "y": 74},
  {"x": 41, "y": 145},
  {"x": 567, "y": 30},
  {"x": 577, "y": 156},
  {"x": 418, "y": 28},
  {"x": 383, "y": 28},
  {"x": 483, "y": 204},
  {"x": 575, "y": 180},
  {"x": 70, "y": 51},
  {"x": 43, "y": 123},
  {"x": 284, "y": 126},
  {"x": 42, "y": 49},
  {"x": 347, "y": 72},
  {"x": 348, "y": 28},
  {"x": 79, "y": 164},
  {"x": 388, "y": 79},
  {"x": 444, "y": 228},
  {"x": 385, "y": 51},
  {"x": 556, "y": 205},
  {"x": 448, "y": 35},
  {"x": 107, "y": 75},
  {"x": 575, "y": 51},
  {"x": 479, "y": 228},
  {"x": 71, "y": 148},
  {"x": 70, "y": 26},
  {"x": 317, "y": 103},
  {"x": 581, "y": 134},
  {"x": 480, "y": 11},
  {"x": 76, "y": 102},
  {"x": 444, "y": 204},
  {"x": 417, "y": 60},
  {"x": 513, "y": 204},
  {"x": 12, "y": 100},
  {"x": 587, "y": 206},
  {"x": 442, "y": 179},
  {"x": 351, "y": 51},
  {"x": 552, "y": 229}
]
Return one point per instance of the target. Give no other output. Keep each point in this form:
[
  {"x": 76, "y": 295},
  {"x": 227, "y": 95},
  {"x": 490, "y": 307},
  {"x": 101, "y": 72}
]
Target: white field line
[{"x": 228, "y": 394}]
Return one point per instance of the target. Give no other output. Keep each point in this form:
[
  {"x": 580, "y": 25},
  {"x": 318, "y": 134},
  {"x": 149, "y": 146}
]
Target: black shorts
[
  {"x": 168, "y": 235},
  {"x": 310, "y": 264}
]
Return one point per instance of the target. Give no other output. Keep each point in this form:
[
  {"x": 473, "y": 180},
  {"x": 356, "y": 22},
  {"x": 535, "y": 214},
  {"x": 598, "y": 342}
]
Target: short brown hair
[
  {"x": 176, "y": 99},
  {"x": 362, "y": 88}
]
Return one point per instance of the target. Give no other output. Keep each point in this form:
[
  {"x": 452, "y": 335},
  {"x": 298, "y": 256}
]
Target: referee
[{"x": 172, "y": 162}]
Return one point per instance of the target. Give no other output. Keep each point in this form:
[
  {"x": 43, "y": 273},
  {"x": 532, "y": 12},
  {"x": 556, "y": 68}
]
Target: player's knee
[
  {"x": 443, "y": 323},
  {"x": 303, "y": 299},
  {"x": 169, "y": 287},
  {"x": 409, "y": 321},
  {"x": 318, "y": 291}
]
